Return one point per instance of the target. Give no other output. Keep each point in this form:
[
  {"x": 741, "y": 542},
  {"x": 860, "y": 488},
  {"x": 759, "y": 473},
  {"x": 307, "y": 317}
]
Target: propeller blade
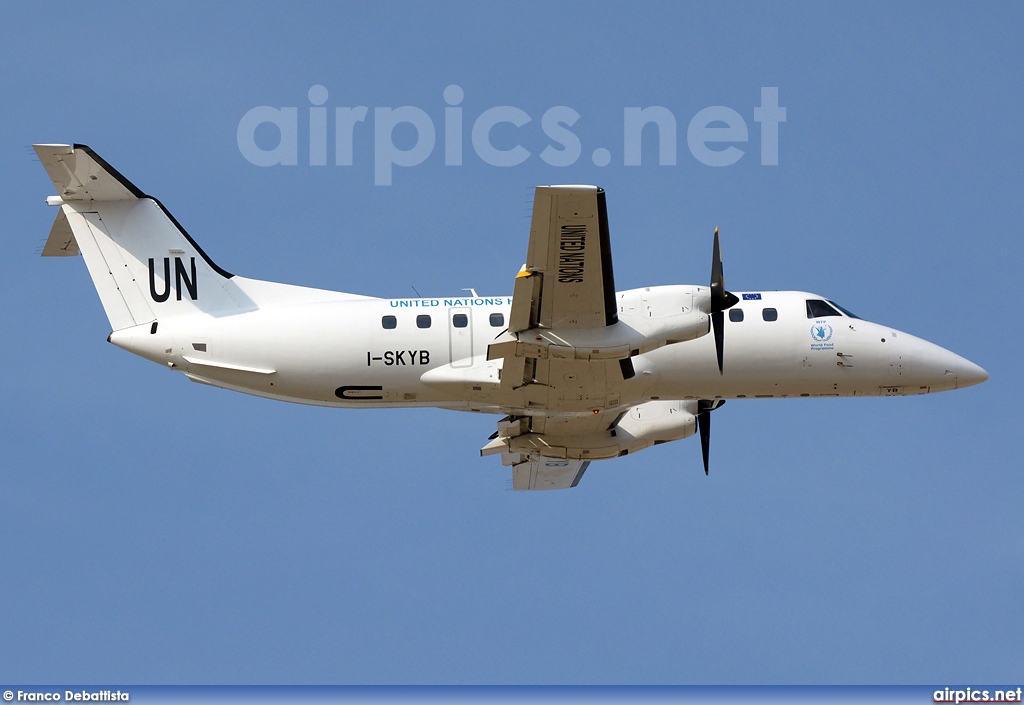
[
  {"x": 704, "y": 427},
  {"x": 704, "y": 409},
  {"x": 720, "y": 301},
  {"x": 718, "y": 324},
  {"x": 717, "y": 279}
]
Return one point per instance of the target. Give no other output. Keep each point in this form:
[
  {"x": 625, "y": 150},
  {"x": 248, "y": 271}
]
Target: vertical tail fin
[{"x": 144, "y": 265}]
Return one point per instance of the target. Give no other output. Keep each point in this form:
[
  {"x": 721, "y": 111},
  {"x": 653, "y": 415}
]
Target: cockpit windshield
[
  {"x": 817, "y": 308},
  {"x": 851, "y": 315}
]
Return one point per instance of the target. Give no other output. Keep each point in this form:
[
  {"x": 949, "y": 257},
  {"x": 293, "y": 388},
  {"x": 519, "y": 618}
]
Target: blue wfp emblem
[{"x": 821, "y": 334}]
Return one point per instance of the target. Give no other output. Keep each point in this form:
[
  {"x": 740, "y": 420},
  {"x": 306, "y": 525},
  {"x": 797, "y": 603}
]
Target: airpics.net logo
[{"x": 716, "y": 135}]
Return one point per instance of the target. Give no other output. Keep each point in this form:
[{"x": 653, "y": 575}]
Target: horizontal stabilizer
[
  {"x": 61, "y": 242},
  {"x": 81, "y": 175}
]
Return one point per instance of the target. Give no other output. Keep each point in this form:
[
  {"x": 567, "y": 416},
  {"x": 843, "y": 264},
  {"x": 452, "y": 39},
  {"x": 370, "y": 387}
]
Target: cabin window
[
  {"x": 735, "y": 315},
  {"x": 423, "y": 321},
  {"x": 769, "y": 314},
  {"x": 816, "y": 308},
  {"x": 389, "y": 322},
  {"x": 497, "y": 320},
  {"x": 460, "y": 320}
]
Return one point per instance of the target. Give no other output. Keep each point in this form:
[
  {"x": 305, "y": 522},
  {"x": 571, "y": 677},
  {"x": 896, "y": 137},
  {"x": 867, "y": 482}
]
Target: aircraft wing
[
  {"x": 539, "y": 473},
  {"x": 523, "y": 443},
  {"x": 567, "y": 280},
  {"x": 565, "y": 287}
]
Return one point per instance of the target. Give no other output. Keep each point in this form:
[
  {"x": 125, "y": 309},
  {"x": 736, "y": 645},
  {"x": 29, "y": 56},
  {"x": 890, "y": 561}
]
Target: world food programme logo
[{"x": 821, "y": 332}]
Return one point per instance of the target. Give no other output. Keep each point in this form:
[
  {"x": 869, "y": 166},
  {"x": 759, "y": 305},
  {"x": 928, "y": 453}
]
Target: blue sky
[{"x": 157, "y": 531}]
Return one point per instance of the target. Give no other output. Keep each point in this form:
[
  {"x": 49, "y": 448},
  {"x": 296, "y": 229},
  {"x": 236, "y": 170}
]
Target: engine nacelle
[
  {"x": 655, "y": 422},
  {"x": 663, "y": 315},
  {"x": 648, "y": 319}
]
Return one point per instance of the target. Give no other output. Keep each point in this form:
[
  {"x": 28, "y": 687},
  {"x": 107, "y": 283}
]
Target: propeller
[
  {"x": 720, "y": 301},
  {"x": 704, "y": 409}
]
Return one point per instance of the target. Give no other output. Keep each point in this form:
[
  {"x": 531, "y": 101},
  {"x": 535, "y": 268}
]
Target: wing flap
[
  {"x": 525, "y": 301},
  {"x": 540, "y": 473}
]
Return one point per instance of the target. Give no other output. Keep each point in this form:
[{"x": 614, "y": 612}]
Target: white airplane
[{"x": 578, "y": 370}]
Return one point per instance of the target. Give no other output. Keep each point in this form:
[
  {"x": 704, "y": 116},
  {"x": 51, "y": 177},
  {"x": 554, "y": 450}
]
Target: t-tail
[{"x": 144, "y": 265}]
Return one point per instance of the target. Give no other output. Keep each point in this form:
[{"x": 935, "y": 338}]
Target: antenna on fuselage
[{"x": 417, "y": 293}]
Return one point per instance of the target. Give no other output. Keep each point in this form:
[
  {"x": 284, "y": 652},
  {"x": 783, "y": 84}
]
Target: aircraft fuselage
[{"x": 432, "y": 352}]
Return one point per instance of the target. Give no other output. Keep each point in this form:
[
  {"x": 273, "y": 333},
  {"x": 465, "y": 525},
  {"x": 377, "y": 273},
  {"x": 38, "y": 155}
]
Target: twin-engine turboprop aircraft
[{"x": 578, "y": 370}]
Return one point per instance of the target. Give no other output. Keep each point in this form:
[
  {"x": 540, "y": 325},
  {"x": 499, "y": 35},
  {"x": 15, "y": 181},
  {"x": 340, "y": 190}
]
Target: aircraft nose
[
  {"x": 944, "y": 369},
  {"x": 968, "y": 374}
]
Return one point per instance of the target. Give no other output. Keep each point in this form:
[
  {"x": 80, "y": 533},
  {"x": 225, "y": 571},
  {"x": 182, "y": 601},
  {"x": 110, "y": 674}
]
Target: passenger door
[{"x": 460, "y": 337}]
